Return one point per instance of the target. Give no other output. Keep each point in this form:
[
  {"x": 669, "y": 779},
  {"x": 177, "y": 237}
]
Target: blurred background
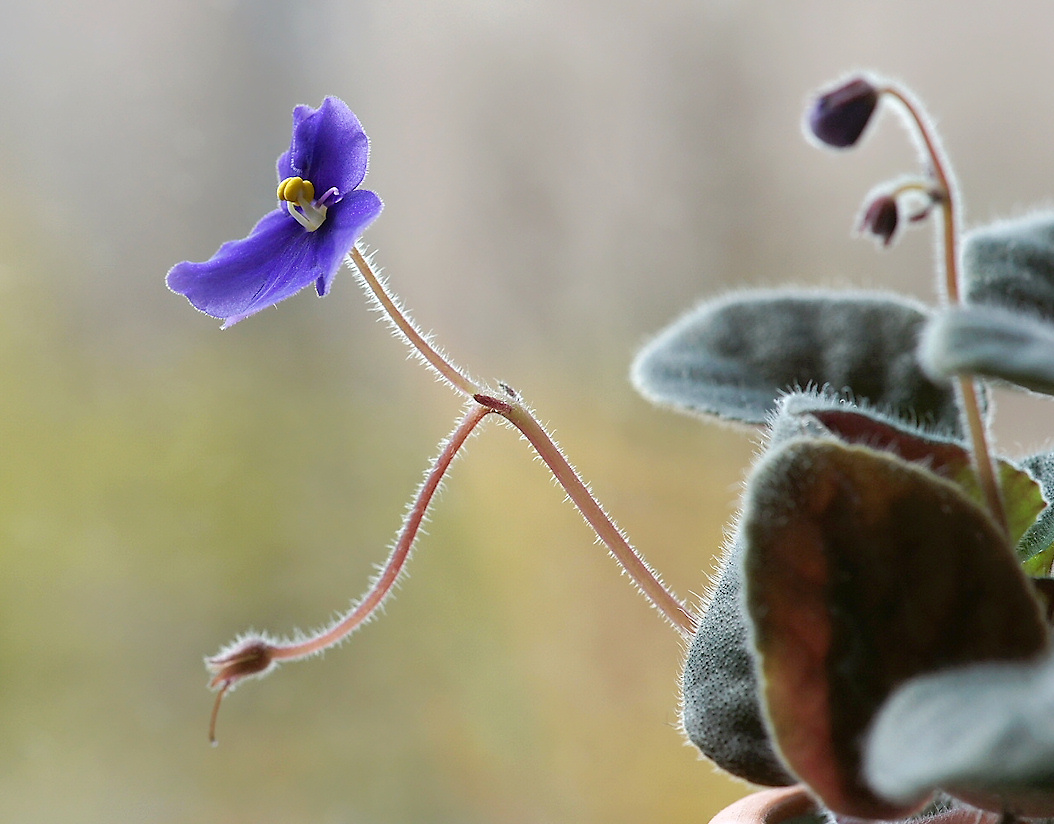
[{"x": 561, "y": 180}]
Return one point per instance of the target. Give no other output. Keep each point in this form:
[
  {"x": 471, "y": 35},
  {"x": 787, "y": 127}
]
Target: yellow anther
[{"x": 295, "y": 189}]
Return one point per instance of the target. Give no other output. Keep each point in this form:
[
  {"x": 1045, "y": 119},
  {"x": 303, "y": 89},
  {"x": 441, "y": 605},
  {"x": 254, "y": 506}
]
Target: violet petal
[
  {"x": 276, "y": 260},
  {"x": 328, "y": 147}
]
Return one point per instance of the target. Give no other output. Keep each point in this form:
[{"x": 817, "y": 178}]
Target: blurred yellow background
[{"x": 561, "y": 179}]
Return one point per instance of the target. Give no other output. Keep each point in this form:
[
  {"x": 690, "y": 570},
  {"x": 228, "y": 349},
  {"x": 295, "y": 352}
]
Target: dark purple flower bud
[
  {"x": 839, "y": 117},
  {"x": 880, "y": 219}
]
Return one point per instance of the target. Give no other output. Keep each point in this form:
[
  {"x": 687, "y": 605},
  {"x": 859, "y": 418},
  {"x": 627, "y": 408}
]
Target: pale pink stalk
[
  {"x": 950, "y": 209},
  {"x": 254, "y": 656},
  {"x": 508, "y": 404},
  {"x": 419, "y": 342}
]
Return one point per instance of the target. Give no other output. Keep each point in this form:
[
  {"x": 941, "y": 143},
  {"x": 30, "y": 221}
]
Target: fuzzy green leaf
[
  {"x": 993, "y": 343},
  {"x": 720, "y": 701},
  {"x": 733, "y": 357},
  {"x": 984, "y": 732},
  {"x": 1011, "y": 264}
]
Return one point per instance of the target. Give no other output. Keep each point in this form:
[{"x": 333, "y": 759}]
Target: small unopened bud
[
  {"x": 839, "y": 116},
  {"x": 880, "y": 219}
]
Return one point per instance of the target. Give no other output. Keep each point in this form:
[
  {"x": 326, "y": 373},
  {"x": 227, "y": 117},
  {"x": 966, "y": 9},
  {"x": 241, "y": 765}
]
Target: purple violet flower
[{"x": 320, "y": 217}]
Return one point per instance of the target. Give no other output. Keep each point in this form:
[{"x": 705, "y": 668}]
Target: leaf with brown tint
[
  {"x": 1022, "y": 494},
  {"x": 721, "y": 705},
  {"x": 862, "y": 571}
]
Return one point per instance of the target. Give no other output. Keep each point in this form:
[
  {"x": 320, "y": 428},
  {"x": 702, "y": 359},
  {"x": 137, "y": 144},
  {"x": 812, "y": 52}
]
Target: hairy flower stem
[
  {"x": 612, "y": 537},
  {"x": 393, "y": 567},
  {"x": 256, "y": 655},
  {"x": 389, "y": 304},
  {"x": 950, "y": 208},
  {"x": 507, "y": 404}
]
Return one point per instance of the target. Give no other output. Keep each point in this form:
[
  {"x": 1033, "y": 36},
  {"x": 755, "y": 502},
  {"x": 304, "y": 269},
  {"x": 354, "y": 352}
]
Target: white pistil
[{"x": 298, "y": 195}]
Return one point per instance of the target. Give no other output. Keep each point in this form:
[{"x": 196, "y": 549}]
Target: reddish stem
[
  {"x": 950, "y": 208},
  {"x": 417, "y": 340},
  {"x": 507, "y": 404},
  {"x": 393, "y": 567},
  {"x": 613, "y": 538}
]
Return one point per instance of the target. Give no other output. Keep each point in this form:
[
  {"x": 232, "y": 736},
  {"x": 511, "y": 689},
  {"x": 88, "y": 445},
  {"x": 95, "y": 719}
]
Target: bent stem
[
  {"x": 255, "y": 656},
  {"x": 950, "y": 208},
  {"x": 646, "y": 580},
  {"x": 520, "y": 416},
  {"x": 393, "y": 567}
]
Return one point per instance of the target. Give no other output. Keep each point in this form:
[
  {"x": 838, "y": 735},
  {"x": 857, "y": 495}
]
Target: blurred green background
[{"x": 561, "y": 179}]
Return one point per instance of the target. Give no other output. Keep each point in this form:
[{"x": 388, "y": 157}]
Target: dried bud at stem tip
[{"x": 247, "y": 658}]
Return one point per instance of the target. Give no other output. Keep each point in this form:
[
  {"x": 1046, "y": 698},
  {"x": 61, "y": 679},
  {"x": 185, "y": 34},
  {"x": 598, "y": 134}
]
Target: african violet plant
[{"x": 877, "y": 640}]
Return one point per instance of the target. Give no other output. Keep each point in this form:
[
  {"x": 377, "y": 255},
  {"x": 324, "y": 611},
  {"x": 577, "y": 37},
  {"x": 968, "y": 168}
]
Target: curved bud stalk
[
  {"x": 948, "y": 197},
  {"x": 844, "y": 113},
  {"x": 509, "y": 405},
  {"x": 254, "y": 656}
]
